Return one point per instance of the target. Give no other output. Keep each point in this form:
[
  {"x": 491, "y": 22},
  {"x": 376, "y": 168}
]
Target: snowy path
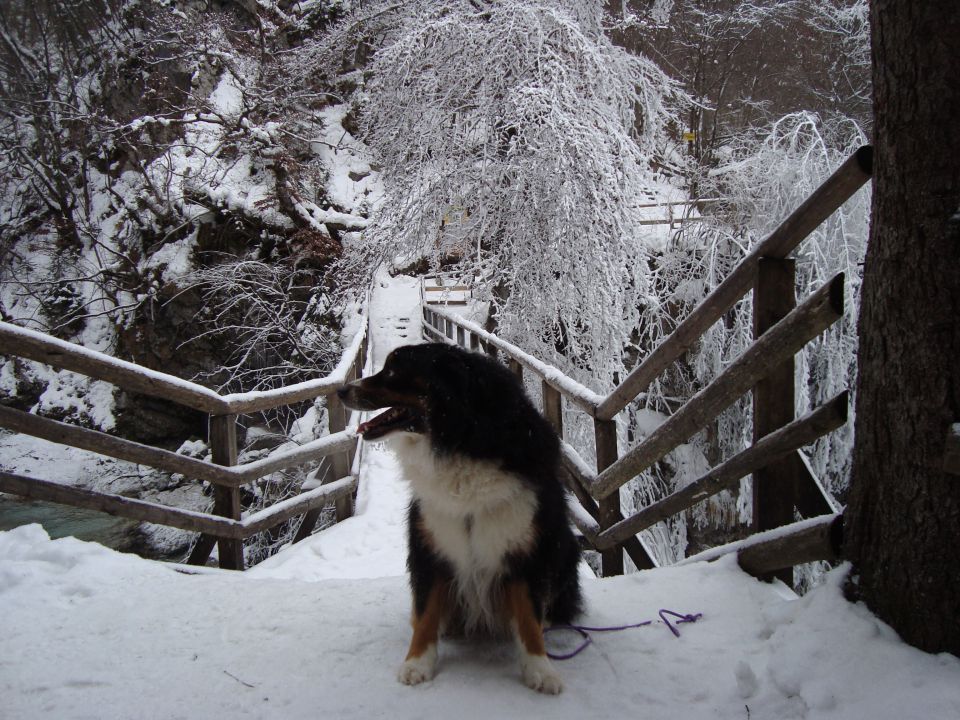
[
  {"x": 373, "y": 542},
  {"x": 319, "y": 630}
]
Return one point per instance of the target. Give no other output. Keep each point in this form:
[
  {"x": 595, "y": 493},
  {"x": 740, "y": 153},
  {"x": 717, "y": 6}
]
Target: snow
[
  {"x": 93, "y": 633},
  {"x": 320, "y": 629}
]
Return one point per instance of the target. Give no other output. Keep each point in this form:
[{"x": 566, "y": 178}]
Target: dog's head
[
  {"x": 433, "y": 388},
  {"x": 401, "y": 386}
]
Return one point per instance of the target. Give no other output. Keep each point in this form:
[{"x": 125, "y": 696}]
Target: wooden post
[
  {"x": 474, "y": 342},
  {"x": 516, "y": 368},
  {"x": 553, "y": 407},
  {"x": 605, "y": 432},
  {"x": 337, "y": 421},
  {"x": 461, "y": 337},
  {"x": 775, "y": 487},
  {"x": 226, "y": 500}
]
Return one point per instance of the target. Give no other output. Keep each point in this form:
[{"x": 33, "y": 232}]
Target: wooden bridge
[{"x": 782, "y": 483}]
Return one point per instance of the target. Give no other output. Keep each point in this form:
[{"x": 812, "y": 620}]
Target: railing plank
[
  {"x": 812, "y": 542},
  {"x": 605, "y": 435},
  {"x": 120, "y": 506},
  {"x": 65, "y": 434},
  {"x": 784, "y": 339},
  {"x": 305, "y": 502},
  {"x": 130, "y": 376},
  {"x": 575, "y": 392},
  {"x": 111, "y": 446},
  {"x": 824, "y": 201},
  {"x": 212, "y": 525},
  {"x": 136, "y": 378},
  {"x": 725, "y": 476}
]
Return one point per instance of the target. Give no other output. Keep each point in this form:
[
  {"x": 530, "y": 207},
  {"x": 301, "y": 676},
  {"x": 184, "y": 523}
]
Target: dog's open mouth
[{"x": 396, "y": 419}]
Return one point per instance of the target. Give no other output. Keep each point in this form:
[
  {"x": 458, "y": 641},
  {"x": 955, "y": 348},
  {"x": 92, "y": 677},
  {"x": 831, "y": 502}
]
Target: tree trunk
[{"x": 903, "y": 519}]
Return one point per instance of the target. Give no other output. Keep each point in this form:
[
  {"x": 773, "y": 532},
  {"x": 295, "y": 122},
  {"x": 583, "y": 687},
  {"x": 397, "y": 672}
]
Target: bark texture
[{"x": 903, "y": 518}]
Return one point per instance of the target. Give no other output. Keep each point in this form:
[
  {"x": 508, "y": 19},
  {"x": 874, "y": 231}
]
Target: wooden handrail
[
  {"x": 122, "y": 449},
  {"x": 818, "y": 538},
  {"x": 783, "y": 340},
  {"x": 575, "y": 392},
  {"x": 225, "y": 526},
  {"x": 213, "y": 525},
  {"x": 137, "y": 378},
  {"x": 825, "y": 200},
  {"x": 725, "y": 476}
]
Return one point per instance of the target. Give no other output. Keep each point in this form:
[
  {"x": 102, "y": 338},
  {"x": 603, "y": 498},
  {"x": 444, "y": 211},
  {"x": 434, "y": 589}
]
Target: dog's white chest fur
[{"x": 476, "y": 514}]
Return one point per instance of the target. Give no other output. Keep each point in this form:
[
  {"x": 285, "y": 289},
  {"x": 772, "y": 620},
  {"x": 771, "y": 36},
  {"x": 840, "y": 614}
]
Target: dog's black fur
[{"x": 470, "y": 406}]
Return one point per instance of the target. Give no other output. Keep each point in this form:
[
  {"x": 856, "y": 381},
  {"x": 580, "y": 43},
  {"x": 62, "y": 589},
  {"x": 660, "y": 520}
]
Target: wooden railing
[
  {"x": 225, "y": 526},
  {"x": 782, "y": 481}
]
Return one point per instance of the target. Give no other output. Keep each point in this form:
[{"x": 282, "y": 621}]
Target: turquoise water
[{"x": 63, "y": 520}]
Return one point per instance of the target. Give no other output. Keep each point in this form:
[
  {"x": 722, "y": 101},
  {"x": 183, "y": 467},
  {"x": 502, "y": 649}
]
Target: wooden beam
[
  {"x": 776, "y": 484},
  {"x": 302, "y": 503},
  {"x": 337, "y": 442},
  {"x": 336, "y": 422},
  {"x": 575, "y": 392},
  {"x": 783, "y": 340},
  {"x": 143, "y": 511},
  {"x": 65, "y": 434},
  {"x": 104, "y": 444},
  {"x": 553, "y": 407},
  {"x": 130, "y": 376},
  {"x": 118, "y": 505},
  {"x": 824, "y": 201},
  {"x": 136, "y": 378},
  {"x": 605, "y": 434},
  {"x": 811, "y": 542},
  {"x": 226, "y": 500},
  {"x": 780, "y": 443}
]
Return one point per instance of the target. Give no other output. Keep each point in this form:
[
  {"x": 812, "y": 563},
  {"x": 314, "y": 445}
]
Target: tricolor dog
[{"x": 490, "y": 545}]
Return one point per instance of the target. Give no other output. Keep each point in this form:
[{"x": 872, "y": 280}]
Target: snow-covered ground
[{"x": 320, "y": 629}]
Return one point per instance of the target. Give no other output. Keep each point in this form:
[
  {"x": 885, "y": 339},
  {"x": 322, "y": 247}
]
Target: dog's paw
[
  {"x": 417, "y": 670},
  {"x": 538, "y": 674}
]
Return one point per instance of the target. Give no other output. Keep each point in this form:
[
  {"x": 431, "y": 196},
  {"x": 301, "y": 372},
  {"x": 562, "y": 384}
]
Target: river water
[{"x": 62, "y": 520}]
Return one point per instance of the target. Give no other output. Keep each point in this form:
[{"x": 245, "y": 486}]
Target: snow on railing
[
  {"x": 225, "y": 526},
  {"x": 137, "y": 378}
]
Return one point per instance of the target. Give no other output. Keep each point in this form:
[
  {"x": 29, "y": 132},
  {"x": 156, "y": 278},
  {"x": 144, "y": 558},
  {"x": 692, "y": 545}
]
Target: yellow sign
[{"x": 689, "y": 136}]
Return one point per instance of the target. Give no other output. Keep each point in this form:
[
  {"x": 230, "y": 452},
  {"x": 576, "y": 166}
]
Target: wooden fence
[
  {"x": 782, "y": 483},
  {"x": 224, "y": 526}
]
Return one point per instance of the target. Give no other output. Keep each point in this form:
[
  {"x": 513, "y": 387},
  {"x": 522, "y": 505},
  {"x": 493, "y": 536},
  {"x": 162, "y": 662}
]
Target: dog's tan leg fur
[
  {"x": 535, "y": 667},
  {"x": 420, "y": 664}
]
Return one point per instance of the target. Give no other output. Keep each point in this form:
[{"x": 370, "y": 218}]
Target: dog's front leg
[
  {"x": 535, "y": 666},
  {"x": 421, "y": 662}
]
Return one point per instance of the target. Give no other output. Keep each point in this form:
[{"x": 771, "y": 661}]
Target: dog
[{"x": 490, "y": 547}]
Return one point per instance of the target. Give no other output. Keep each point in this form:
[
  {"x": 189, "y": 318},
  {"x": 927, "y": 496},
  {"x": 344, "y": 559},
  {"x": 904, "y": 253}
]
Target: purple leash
[{"x": 584, "y": 631}]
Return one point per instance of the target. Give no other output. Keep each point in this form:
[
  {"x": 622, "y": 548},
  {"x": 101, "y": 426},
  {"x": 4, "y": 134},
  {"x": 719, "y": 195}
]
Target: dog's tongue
[{"x": 381, "y": 424}]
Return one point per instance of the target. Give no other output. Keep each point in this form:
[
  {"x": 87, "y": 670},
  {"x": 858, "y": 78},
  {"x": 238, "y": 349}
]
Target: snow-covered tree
[{"x": 516, "y": 142}]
